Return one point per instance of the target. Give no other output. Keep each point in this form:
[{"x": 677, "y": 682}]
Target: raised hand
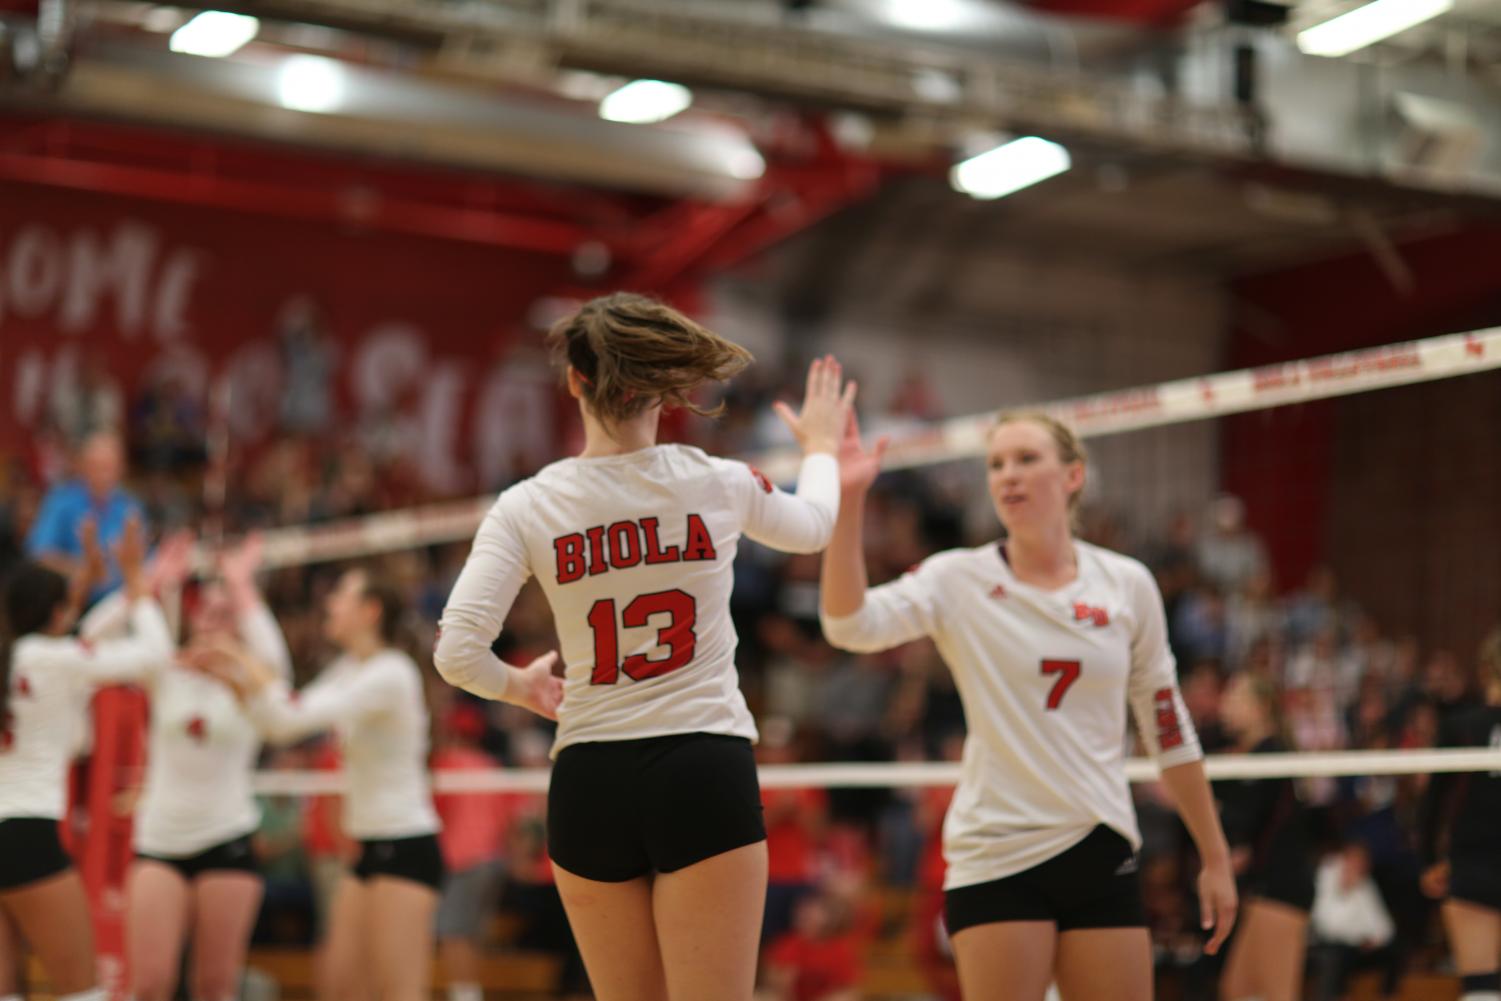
[
  {"x": 92, "y": 570},
  {"x": 239, "y": 565},
  {"x": 858, "y": 467},
  {"x": 130, "y": 551},
  {"x": 826, "y": 403},
  {"x": 173, "y": 561}
]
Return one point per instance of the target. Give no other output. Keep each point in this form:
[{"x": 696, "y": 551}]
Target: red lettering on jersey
[
  {"x": 699, "y": 546},
  {"x": 761, "y": 479},
  {"x": 1169, "y": 734},
  {"x": 999, "y": 591},
  {"x": 597, "y": 562},
  {"x": 196, "y": 729},
  {"x": 569, "y": 550},
  {"x": 625, "y": 548},
  {"x": 23, "y": 686},
  {"x": 1088, "y": 613},
  {"x": 654, "y": 551}
]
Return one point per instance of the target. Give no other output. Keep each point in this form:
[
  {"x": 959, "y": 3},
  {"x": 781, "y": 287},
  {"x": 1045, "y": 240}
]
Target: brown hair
[
  {"x": 1070, "y": 446},
  {"x": 633, "y": 352},
  {"x": 377, "y": 586}
]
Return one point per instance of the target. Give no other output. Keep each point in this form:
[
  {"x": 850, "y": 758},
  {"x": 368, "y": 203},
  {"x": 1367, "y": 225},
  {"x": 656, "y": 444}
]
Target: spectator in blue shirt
[{"x": 97, "y": 494}]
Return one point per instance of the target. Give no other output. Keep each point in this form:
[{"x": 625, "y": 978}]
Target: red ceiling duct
[{"x": 1153, "y": 12}]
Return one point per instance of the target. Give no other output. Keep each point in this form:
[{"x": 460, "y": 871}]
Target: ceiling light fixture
[
  {"x": 1008, "y": 168},
  {"x": 1368, "y": 25},
  {"x": 214, "y": 33},
  {"x": 310, "y": 83},
  {"x": 642, "y": 102}
]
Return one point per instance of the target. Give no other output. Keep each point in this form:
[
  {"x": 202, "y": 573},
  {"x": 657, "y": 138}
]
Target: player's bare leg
[
  {"x": 1006, "y": 960},
  {"x": 613, "y": 924},
  {"x": 401, "y": 937},
  {"x": 224, "y": 912},
  {"x": 708, "y": 919},
  {"x": 158, "y": 903},
  {"x": 343, "y": 966},
  {"x": 52, "y": 916},
  {"x": 1104, "y": 962},
  {"x": 1266, "y": 955}
]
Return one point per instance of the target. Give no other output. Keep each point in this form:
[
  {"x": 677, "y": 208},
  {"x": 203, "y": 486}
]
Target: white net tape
[
  {"x": 917, "y": 774},
  {"x": 1092, "y": 416}
]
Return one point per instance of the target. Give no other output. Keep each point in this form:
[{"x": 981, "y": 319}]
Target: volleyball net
[
  {"x": 1377, "y": 489},
  {"x": 1097, "y": 415}
]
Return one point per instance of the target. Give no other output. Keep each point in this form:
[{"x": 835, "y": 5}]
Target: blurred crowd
[{"x": 852, "y": 871}]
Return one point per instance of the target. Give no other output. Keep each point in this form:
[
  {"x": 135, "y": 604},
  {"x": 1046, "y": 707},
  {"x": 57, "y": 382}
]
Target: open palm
[{"x": 859, "y": 466}]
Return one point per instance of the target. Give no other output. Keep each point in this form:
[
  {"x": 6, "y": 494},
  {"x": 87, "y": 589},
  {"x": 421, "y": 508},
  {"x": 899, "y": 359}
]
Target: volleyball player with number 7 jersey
[
  {"x": 1049, "y": 639},
  {"x": 654, "y": 812}
]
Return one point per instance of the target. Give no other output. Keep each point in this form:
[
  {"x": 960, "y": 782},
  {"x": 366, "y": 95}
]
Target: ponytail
[{"x": 632, "y": 352}]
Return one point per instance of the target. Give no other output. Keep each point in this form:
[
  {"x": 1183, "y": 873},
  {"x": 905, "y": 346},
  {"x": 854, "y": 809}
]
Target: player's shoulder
[
  {"x": 953, "y": 561},
  {"x": 1116, "y": 566},
  {"x": 394, "y": 664},
  {"x": 35, "y": 650}
]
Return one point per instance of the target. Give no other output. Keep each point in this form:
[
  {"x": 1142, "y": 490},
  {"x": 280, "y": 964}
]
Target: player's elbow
[
  {"x": 458, "y": 652},
  {"x": 848, "y": 633}
]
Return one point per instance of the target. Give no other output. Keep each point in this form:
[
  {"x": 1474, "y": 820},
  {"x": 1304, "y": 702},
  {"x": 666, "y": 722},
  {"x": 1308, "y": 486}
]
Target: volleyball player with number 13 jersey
[
  {"x": 1049, "y": 640},
  {"x": 654, "y": 813}
]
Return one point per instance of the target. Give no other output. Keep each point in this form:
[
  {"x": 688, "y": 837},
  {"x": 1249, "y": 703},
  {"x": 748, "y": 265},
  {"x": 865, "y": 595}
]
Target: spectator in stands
[
  {"x": 96, "y": 493},
  {"x": 1351, "y": 928},
  {"x": 307, "y": 356},
  {"x": 796, "y": 822},
  {"x": 288, "y": 916},
  {"x": 1315, "y": 608},
  {"x": 474, "y": 830},
  {"x": 86, "y": 400},
  {"x": 18, "y": 510},
  {"x": 168, "y": 430},
  {"x": 1251, "y": 614},
  {"x": 1229, "y": 555},
  {"x": 819, "y": 959}
]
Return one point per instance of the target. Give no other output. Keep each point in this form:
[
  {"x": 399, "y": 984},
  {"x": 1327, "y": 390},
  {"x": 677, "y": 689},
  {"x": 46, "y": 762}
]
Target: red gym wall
[{"x": 1400, "y": 489}]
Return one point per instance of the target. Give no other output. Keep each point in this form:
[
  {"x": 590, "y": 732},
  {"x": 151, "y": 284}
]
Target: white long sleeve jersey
[
  {"x": 634, "y": 553},
  {"x": 52, "y": 679},
  {"x": 202, "y": 747},
  {"x": 377, "y": 709},
  {"x": 1045, "y": 677}
]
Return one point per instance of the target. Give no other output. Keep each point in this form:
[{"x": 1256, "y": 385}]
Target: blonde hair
[
  {"x": 1070, "y": 446},
  {"x": 633, "y": 352}
]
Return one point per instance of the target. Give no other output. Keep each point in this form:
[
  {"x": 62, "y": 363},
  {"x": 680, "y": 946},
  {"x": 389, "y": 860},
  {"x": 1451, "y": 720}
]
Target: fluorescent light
[
  {"x": 1367, "y": 25},
  {"x": 643, "y": 101},
  {"x": 214, "y": 33},
  {"x": 1016, "y": 165},
  {"x": 931, "y": 15},
  {"x": 310, "y": 83}
]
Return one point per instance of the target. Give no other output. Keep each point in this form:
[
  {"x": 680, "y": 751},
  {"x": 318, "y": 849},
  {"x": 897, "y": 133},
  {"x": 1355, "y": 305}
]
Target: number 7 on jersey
[{"x": 1068, "y": 673}]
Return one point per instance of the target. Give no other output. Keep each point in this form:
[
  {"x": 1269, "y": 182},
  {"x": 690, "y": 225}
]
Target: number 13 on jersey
[{"x": 677, "y": 635}]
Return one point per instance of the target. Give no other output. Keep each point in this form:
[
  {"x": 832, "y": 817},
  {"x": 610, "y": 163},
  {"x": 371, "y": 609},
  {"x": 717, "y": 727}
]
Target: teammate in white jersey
[
  {"x": 1049, "y": 639},
  {"x": 195, "y": 874},
  {"x": 46, "y": 680},
  {"x": 380, "y": 932},
  {"x": 654, "y": 813}
]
